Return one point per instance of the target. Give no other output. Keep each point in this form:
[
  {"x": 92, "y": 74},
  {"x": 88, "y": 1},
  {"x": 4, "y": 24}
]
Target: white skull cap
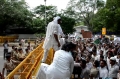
[{"x": 113, "y": 58}]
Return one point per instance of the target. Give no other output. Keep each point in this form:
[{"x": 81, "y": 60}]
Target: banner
[{"x": 103, "y": 31}]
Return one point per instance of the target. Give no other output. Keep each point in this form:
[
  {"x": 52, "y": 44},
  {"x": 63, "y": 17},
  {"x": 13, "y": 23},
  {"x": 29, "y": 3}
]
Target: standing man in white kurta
[{"x": 51, "y": 39}]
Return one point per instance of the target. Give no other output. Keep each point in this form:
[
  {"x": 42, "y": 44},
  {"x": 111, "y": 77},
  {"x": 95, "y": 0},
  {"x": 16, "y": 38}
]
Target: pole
[{"x": 45, "y": 16}]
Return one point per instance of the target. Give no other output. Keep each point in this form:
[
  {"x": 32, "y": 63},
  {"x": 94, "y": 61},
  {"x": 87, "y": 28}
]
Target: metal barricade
[
  {"x": 8, "y": 38},
  {"x": 28, "y": 68}
]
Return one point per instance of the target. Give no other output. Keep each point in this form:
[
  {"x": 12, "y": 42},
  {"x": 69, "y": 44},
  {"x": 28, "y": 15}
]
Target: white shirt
[
  {"x": 89, "y": 49},
  {"x": 117, "y": 60},
  {"x": 50, "y": 41},
  {"x": 5, "y": 45},
  {"x": 85, "y": 73},
  {"x": 76, "y": 64},
  {"x": 89, "y": 65},
  {"x": 103, "y": 72},
  {"x": 98, "y": 51},
  {"x": 60, "y": 30},
  {"x": 105, "y": 53},
  {"x": 113, "y": 71},
  {"x": 108, "y": 63},
  {"x": 118, "y": 76},
  {"x": 97, "y": 58},
  {"x": 94, "y": 57},
  {"x": 62, "y": 41},
  {"x": 63, "y": 61}
]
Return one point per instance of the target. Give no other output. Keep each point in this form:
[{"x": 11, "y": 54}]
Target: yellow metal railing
[
  {"x": 27, "y": 66},
  {"x": 30, "y": 65},
  {"x": 48, "y": 61},
  {"x": 8, "y": 38},
  {"x": 50, "y": 56}
]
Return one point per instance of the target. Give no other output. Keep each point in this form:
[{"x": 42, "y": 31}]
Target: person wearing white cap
[
  {"x": 114, "y": 68},
  {"x": 51, "y": 39},
  {"x": 60, "y": 31}
]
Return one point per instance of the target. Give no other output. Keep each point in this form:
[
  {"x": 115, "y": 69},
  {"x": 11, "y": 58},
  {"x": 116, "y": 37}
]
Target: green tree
[
  {"x": 38, "y": 25},
  {"x": 39, "y": 17},
  {"x": 108, "y": 17},
  {"x": 113, "y": 15},
  {"x": 50, "y": 11},
  {"x": 14, "y": 14},
  {"x": 84, "y": 10},
  {"x": 67, "y": 24},
  {"x": 99, "y": 20}
]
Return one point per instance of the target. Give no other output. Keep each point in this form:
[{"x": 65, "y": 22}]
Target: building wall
[
  {"x": 79, "y": 28},
  {"x": 82, "y": 31}
]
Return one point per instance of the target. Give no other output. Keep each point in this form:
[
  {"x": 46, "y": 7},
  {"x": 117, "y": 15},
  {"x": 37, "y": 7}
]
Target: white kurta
[
  {"x": 108, "y": 63},
  {"x": 60, "y": 30},
  {"x": 89, "y": 65},
  {"x": 62, "y": 41},
  {"x": 113, "y": 71},
  {"x": 62, "y": 66},
  {"x": 50, "y": 41},
  {"x": 103, "y": 72}
]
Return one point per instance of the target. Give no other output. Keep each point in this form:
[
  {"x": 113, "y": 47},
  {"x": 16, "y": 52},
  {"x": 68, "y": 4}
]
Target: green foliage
[
  {"x": 38, "y": 25},
  {"x": 108, "y": 17},
  {"x": 83, "y": 11},
  {"x": 14, "y": 14},
  {"x": 39, "y": 20},
  {"x": 50, "y": 11},
  {"x": 67, "y": 24}
]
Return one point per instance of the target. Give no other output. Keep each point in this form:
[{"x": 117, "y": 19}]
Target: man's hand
[
  {"x": 58, "y": 44},
  {"x": 56, "y": 38}
]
